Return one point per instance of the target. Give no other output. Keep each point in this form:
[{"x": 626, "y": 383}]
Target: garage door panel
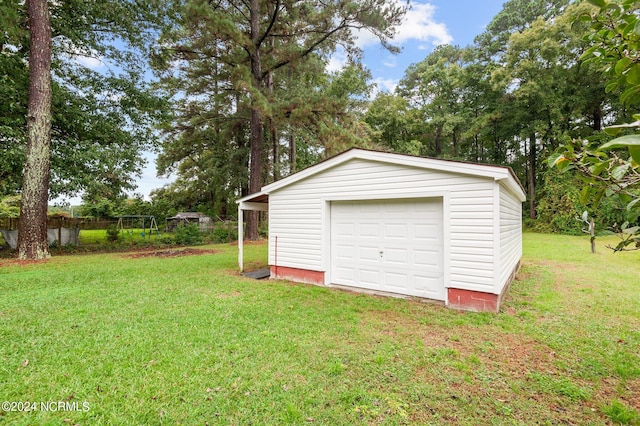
[
  {"x": 424, "y": 258},
  {"x": 344, "y": 229},
  {"x": 397, "y": 281},
  {"x": 345, "y": 275},
  {"x": 396, "y": 230},
  {"x": 396, "y": 255},
  {"x": 427, "y": 207},
  {"x": 368, "y": 253},
  {"x": 426, "y": 285},
  {"x": 370, "y": 278},
  {"x": 425, "y": 231},
  {"x": 395, "y": 246},
  {"x": 344, "y": 251}
]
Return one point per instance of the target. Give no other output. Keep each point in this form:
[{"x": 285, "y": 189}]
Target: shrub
[
  {"x": 560, "y": 207},
  {"x": 188, "y": 234},
  {"x": 113, "y": 234},
  {"x": 223, "y": 234}
]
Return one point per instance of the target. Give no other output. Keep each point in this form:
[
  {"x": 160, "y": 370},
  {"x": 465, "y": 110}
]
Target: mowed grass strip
[{"x": 186, "y": 340}]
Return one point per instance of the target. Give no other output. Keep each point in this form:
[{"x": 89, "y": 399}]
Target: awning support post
[{"x": 240, "y": 238}]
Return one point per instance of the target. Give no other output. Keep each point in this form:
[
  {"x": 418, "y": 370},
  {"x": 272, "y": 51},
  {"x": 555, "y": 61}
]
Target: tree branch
[
  {"x": 308, "y": 50},
  {"x": 274, "y": 16}
]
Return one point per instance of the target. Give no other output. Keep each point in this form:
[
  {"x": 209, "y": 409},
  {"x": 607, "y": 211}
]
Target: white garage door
[{"x": 389, "y": 245}]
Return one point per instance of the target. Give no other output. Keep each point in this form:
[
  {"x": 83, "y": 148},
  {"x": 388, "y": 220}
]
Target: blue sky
[{"x": 426, "y": 25}]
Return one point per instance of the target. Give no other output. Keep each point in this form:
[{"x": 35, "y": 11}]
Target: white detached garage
[{"x": 396, "y": 224}]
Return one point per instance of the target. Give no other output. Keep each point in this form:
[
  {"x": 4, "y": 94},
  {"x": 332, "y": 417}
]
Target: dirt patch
[
  {"x": 16, "y": 262},
  {"x": 249, "y": 243},
  {"x": 171, "y": 253},
  {"x": 612, "y": 389}
]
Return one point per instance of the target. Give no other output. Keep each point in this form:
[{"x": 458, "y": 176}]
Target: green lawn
[
  {"x": 99, "y": 236},
  {"x": 185, "y": 340}
]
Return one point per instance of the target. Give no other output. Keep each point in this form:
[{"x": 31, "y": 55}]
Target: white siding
[
  {"x": 510, "y": 235},
  {"x": 298, "y": 215}
]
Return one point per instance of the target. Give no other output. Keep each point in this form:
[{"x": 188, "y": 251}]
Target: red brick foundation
[
  {"x": 476, "y": 301},
  {"x": 298, "y": 275}
]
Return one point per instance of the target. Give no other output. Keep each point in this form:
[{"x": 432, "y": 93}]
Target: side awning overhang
[{"x": 254, "y": 202}]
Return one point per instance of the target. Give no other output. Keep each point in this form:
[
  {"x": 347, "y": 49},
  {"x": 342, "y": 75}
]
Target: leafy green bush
[
  {"x": 223, "y": 234},
  {"x": 10, "y": 206},
  {"x": 188, "y": 234},
  {"x": 166, "y": 239},
  {"x": 113, "y": 235},
  {"x": 560, "y": 207}
]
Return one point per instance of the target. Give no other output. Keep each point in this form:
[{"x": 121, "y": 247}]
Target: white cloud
[
  {"x": 91, "y": 62},
  {"x": 417, "y": 24},
  {"x": 86, "y": 57},
  {"x": 337, "y": 61},
  {"x": 390, "y": 62},
  {"x": 384, "y": 85}
]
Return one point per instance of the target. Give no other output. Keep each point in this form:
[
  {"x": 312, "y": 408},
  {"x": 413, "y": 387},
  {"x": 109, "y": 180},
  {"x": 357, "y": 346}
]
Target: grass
[
  {"x": 186, "y": 340},
  {"x": 99, "y": 236}
]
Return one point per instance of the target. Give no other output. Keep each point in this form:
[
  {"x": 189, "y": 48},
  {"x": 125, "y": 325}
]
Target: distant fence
[
  {"x": 59, "y": 229},
  {"x": 11, "y": 223},
  {"x": 66, "y": 229}
]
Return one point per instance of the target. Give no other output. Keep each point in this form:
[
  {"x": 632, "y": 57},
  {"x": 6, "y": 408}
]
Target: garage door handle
[{"x": 381, "y": 253}]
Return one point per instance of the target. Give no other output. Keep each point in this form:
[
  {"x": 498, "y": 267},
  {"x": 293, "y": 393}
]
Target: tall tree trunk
[
  {"x": 273, "y": 135},
  {"x": 497, "y": 146},
  {"x": 454, "y": 142},
  {"x": 32, "y": 230},
  {"x": 292, "y": 153},
  {"x": 597, "y": 118},
  {"x": 532, "y": 176},
  {"x": 438, "y": 141},
  {"x": 255, "y": 165},
  {"x": 276, "y": 153}
]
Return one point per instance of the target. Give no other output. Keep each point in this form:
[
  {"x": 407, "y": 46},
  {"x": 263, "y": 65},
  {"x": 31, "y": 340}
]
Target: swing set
[{"x": 131, "y": 224}]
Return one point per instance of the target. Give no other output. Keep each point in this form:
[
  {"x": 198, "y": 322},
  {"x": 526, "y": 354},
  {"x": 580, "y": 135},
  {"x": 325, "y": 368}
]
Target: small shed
[
  {"x": 185, "y": 218},
  {"x": 398, "y": 225}
]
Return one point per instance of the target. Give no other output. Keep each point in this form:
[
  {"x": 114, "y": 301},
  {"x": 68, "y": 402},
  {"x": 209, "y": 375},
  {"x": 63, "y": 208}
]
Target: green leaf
[
  {"x": 614, "y": 130},
  {"x": 635, "y": 153},
  {"x": 631, "y": 26},
  {"x": 596, "y": 201},
  {"x": 637, "y": 28},
  {"x": 599, "y": 3},
  {"x": 558, "y": 160},
  {"x": 622, "y": 65},
  {"x": 632, "y": 204},
  {"x": 631, "y": 231},
  {"x": 584, "y": 194},
  {"x": 630, "y": 96},
  {"x": 598, "y": 168},
  {"x": 627, "y": 141},
  {"x": 610, "y": 87},
  {"x": 633, "y": 75},
  {"x": 592, "y": 53},
  {"x": 619, "y": 172}
]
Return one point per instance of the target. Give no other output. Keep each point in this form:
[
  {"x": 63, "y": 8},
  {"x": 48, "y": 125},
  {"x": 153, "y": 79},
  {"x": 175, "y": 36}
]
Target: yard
[{"x": 152, "y": 339}]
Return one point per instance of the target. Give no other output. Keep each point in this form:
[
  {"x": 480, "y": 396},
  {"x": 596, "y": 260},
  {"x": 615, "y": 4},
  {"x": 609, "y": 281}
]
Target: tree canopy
[
  {"x": 244, "y": 98},
  {"x": 102, "y": 108}
]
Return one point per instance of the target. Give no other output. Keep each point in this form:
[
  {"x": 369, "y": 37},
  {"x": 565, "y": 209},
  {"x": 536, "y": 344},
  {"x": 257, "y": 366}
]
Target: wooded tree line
[
  {"x": 512, "y": 98},
  {"x": 240, "y": 96}
]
